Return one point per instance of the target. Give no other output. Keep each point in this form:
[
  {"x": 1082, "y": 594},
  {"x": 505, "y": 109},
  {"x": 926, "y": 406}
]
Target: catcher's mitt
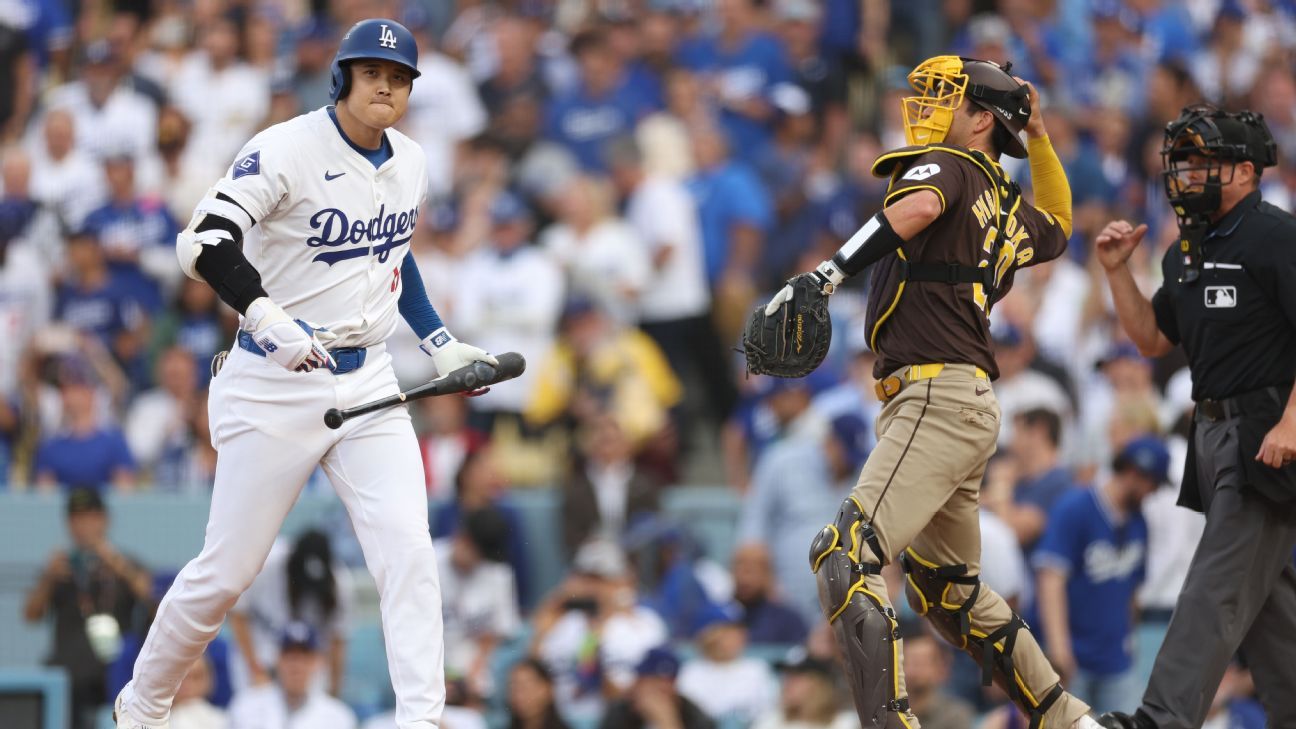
[{"x": 794, "y": 340}]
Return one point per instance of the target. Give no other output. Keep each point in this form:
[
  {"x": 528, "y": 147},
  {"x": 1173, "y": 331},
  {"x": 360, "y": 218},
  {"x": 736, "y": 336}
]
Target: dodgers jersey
[{"x": 331, "y": 230}]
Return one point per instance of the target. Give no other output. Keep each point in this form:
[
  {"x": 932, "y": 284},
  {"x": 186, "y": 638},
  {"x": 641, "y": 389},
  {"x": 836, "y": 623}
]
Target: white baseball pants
[{"x": 268, "y": 428}]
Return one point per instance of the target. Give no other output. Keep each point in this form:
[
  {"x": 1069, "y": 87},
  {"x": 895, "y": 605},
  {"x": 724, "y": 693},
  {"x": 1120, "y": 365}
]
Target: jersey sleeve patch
[
  {"x": 248, "y": 165},
  {"x": 921, "y": 172}
]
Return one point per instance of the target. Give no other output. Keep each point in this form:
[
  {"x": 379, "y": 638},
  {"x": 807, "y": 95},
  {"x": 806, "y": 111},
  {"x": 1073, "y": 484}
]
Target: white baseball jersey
[{"x": 331, "y": 230}]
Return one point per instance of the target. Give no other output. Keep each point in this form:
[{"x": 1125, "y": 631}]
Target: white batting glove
[
  {"x": 449, "y": 354},
  {"x": 829, "y": 275},
  {"x": 292, "y": 344}
]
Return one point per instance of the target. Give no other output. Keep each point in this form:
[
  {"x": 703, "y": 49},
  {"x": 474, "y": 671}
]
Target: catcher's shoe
[{"x": 124, "y": 720}]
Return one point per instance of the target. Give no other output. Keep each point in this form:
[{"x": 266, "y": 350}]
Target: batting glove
[
  {"x": 829, "y": 277},
  {"x": 449, "y": 354},
  {"x": 292, "y": 344}
]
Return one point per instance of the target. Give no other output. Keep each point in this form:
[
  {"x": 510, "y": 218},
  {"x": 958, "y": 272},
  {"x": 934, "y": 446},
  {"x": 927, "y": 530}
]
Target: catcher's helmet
[
  {"x": 1219, "y": 138},
  {"x": 943, "y": 82},
  {"x": 375, "y": 38}
]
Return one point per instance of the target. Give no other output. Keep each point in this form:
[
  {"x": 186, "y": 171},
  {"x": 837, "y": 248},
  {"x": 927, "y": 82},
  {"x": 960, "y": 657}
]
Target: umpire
[{"x": 1229, "y": 297}]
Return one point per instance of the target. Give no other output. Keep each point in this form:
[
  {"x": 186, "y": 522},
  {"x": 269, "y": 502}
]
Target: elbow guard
[
  {"x": 217, "y": 218},
  {"x": 869, "y": 244},
  {"x": 234, "y": 279}
]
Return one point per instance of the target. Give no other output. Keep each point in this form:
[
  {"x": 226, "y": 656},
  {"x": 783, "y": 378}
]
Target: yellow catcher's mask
[
  {"x": 940, "y": 83},
  {"x": 944, "y": 82}
]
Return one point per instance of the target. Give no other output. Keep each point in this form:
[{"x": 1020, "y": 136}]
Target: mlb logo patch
[
  {"x": 1221, "y": 297},
  {"x": 249, "y": 165}
]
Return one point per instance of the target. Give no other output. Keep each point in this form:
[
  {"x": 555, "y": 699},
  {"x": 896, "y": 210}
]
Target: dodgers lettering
[{"x": 389, "y": 230}]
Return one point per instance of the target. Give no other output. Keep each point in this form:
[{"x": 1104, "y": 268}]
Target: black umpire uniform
[{"x": 1229, "y": 297}]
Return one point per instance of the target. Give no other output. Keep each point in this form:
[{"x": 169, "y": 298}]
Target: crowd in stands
[{"x": 614, "y": 184}]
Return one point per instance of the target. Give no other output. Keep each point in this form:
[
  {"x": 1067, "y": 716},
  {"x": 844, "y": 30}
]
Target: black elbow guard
[
  {"x": 869, "y": 244},
  {"x": 234, "y": 279}
]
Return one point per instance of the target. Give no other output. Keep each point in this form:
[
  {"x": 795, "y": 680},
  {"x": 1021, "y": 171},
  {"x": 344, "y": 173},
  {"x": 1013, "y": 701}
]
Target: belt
[
  {"x": 891, "y": 385},
  {"x": 1248, "y": 403},
  {"x": 349, "y": 359}
]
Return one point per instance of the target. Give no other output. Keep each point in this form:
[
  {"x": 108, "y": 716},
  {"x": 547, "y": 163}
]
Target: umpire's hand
[
  {"x": 1117, "y": 242},
  {"x": 1279, "y": 446}
]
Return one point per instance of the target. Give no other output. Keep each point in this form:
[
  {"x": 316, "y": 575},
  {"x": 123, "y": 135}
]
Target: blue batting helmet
[{"x": 375, "y": 38}]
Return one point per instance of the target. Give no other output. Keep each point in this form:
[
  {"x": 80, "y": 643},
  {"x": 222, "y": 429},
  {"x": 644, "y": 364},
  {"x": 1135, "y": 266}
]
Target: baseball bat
[{"x": 465, "y": 379}]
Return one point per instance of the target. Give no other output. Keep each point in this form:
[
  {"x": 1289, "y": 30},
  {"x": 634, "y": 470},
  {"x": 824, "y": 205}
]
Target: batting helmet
[
  {"x": 944, "y": 82},
  {"x": 375, "y": 38}
]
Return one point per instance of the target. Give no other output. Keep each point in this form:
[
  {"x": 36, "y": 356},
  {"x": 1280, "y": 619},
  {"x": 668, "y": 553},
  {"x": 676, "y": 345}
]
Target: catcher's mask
[
  {"x": 942, "y": 84},
  {"x": 1200, "y": 144}
]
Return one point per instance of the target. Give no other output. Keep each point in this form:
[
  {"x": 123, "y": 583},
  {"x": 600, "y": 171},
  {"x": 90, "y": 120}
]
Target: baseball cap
[
  {"x": 600, "y": 558},
  {"x": 714, "y": 615},
  {"x": 852, "y": 432},
  {"x": 84, "y": 501},
  {"x": 798, "y": 11},
  {"x": 659, "y": 661},
  {"x": 1006, "y": 335},
  {"x": 1119, "y": 351},
  {"x": 508, "y": 208},
  {"x": 298, "y": 635},
  {"x": 1148, "y": 455},
  {"x": 798, "y": 660}
]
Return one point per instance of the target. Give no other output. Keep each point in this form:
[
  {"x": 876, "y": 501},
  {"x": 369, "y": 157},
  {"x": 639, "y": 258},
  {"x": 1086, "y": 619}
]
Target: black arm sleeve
[
  {"x": 869, "y": 244},
  {"x": 234, "y": 279}
]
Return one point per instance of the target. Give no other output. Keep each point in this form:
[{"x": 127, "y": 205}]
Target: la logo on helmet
[{"x": 386, "y": 38}]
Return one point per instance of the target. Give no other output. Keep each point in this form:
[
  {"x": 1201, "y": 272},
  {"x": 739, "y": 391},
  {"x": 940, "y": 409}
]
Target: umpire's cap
[{"x": 374, "y": 38}]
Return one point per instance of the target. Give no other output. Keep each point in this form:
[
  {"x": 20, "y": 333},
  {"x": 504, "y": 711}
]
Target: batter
[{"x": 307, "y": 236}]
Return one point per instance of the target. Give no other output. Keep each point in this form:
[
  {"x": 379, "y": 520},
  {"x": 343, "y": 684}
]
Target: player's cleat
[
  {"x": 124, "y": 720},
  {"x": 1121, "y": 720}
]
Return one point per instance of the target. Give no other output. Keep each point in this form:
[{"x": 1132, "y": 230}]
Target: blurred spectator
[
  {"x": 224, "y": 97},
  {"x": 601, "y": 108},
  {"x": 735, "y": 211},
  {"x": 927, "y": 662},
  {"x": 606, "y": 492},
  {"x": 1166, "y": 27},
  {"x": 183, "y": 173},
  {"x": 513, "y": 294},
  {"x": 675, "y": 304},
  {"x": 516, "y": 73},
  {"x": 301, "y": 585},
  {"x": 444, "y": 111},
  {"x": 1234, "y": 705},
  {"x": 652, "y": 701},
  {"x": 159, "y": 424},
  {"x": 97, "y": 599},
  {"x": 291, "y": 701},
  {"x": 599, "y": 365},
  {"x": 857, "y": 197},
  {"x": 728, "y": 686},
  {"x": 531, "y": 697},
  {"x": 98, "y": 303},
  {"x": 137, "y": 236},
  {"x": 445, "y": 442},
  {"x": 191, "y": 708},
  {"x": 602, "y": 256},
  {"x": 797, "y": 483},
  {"x": 592, "y": 633},
  {"x": 741, "y": 64},
  {"x": 1116, "y": 401},
  {"x": 17, "y": 79},
  {"x": 1022, "y": 487},
  {"x": 1091, "y": 561},
  {"x": 193, "y": 324},
  {"x": 107, "y": 113},
  {"x": 680, "y": 583},
  {"x": 809, "y": 698},
  {"x": 1003, "y": 566},
  {"x": 65, "y": 178},
  {"x": 763, "y": 611},
  {"x": 1022, "y": 385},
  {"x": 28, "y": 251},
  {"x": 478, "y": 601},
  {"x": 479, "y": 484},
  {"x": 778, "y": 409},
  {"x": 815, "y": 68},
  {"x": 86, "y": 453}
]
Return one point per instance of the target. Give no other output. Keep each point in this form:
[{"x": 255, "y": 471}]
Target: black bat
[{"x": 464, "y": 379}]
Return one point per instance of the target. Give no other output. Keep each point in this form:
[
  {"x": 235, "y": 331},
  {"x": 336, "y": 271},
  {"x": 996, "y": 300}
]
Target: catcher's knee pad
[
  {"x": 842, "y": 556},
  {"x": 928, "y": 586}
]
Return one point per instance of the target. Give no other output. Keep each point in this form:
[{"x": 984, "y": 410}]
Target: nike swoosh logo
[
  {"x": 329, "y": 178},
  {"x": 980, "y": 392}
]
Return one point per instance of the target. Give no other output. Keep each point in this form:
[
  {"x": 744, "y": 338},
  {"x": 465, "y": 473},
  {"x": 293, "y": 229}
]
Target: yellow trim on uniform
[
  {"x": 921, "y": 597},
  {"x": 905, "y": 191},
  {"x": 877, "y": 326},
  {"x": 1017, "y": 678},
  {"x": 836, "y": 541}
]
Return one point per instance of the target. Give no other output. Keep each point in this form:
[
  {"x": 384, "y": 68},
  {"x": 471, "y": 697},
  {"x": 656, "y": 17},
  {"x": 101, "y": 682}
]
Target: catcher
[{"x": 953, "y": 230}]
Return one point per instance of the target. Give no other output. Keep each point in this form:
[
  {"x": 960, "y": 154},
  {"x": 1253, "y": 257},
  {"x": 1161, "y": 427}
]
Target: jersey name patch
[
  {"x": 1221, "y": 297},
  {"x": 249, "y": 165},
  {"x": 921, "y": 172}
]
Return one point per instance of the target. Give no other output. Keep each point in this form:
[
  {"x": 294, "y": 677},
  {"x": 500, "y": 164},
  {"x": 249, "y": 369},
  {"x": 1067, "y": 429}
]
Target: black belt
[{"x": 1248, "y": 403}]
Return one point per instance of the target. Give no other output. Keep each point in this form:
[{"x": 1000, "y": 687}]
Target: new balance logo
[
  {"x": 441, "y": 340},
  {"x": 267, "y": 345},
  {"x": 330, "y": 178},
  {"x": 386, "y": 38}
]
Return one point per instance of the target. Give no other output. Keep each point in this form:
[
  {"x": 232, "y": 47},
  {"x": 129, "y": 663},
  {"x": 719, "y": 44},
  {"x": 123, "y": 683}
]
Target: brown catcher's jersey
[{"x": 921, "y": 322}]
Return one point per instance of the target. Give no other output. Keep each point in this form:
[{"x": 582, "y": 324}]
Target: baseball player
[
  {"x": 307, "y": 236},
  {"x": 945, "y": 247}
]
